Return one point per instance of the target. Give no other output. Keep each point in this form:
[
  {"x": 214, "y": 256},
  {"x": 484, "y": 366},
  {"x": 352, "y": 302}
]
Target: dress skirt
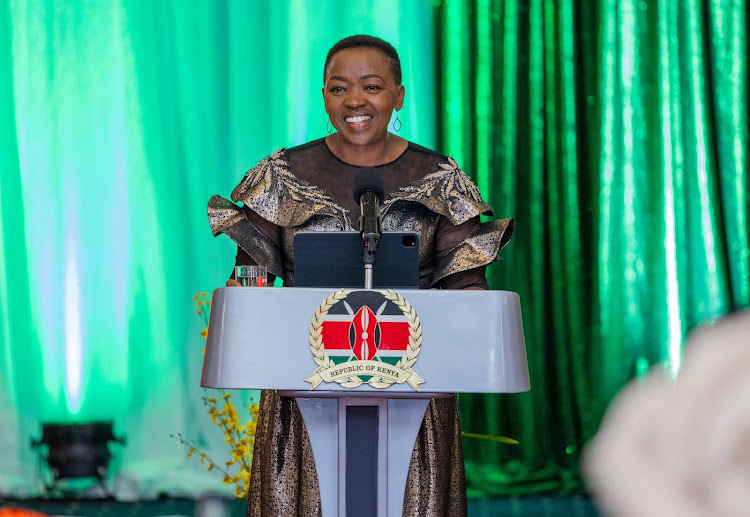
[{"x": 284, "y": 483}]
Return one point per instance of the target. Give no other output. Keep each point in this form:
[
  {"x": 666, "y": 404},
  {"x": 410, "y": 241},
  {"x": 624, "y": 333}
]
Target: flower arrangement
[{"x": 239, "y": 436}]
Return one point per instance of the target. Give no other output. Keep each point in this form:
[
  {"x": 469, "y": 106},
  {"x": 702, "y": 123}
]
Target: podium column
[{"x": 399, "y": 418}]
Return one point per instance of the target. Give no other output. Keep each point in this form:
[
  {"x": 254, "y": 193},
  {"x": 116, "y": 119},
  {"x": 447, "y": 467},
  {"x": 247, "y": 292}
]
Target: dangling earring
[
  {"x": 329, "y": 126},
  {"x": 397, "y": 124}
]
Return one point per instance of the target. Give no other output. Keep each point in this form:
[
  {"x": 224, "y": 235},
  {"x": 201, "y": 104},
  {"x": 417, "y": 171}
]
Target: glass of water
[{"x": 251, "y": 276}]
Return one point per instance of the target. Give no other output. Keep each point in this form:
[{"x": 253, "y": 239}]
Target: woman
[{"x": 310, "y": 188}]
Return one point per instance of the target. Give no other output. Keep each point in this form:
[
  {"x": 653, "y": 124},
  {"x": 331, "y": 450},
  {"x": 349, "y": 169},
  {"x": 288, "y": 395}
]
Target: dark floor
[{"x": 573, "y": 506}]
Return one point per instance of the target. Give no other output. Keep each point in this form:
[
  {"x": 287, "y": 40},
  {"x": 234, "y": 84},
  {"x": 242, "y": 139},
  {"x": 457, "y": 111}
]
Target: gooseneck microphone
[{"x": 369, "y": 191}]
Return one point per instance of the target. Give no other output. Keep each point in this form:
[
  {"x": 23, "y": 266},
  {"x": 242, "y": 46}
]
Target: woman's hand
[{"x": 233, "y": 283}]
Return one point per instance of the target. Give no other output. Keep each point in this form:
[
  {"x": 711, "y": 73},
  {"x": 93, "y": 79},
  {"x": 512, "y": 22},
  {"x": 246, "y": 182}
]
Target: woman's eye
[
  {"x": 336, "y": 89},
  {"x": 372, "y": 87}
]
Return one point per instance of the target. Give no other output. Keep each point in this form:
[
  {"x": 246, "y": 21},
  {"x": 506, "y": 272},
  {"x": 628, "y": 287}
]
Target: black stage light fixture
[{"x": 77, "y": 450}]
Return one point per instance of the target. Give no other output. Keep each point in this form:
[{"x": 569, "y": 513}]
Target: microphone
[{"x": 369, "y": 191}]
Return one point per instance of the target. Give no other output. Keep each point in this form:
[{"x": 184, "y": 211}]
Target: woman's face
[{"x": 360, "y": 94}]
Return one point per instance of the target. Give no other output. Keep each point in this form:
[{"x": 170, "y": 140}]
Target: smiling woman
[{"x": 310, "y": 188}]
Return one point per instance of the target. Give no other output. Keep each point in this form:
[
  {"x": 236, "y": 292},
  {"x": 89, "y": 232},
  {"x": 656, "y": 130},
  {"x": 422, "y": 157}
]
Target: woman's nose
[{"x": 355, "y": 98}]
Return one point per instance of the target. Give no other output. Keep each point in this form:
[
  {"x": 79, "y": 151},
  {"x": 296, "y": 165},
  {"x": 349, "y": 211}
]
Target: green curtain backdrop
[
  {"x": 616, "y": 132},
  {"x": 118, "y": 120}
]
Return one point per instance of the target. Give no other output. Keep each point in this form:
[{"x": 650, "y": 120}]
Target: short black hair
[{"x": 363, "y": 40}]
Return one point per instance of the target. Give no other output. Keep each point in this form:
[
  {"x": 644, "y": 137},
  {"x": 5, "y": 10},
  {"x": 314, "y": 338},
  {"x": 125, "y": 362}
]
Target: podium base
[{"x": 327, "y": 417}]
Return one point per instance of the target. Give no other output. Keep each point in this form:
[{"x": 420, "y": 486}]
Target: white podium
[{"x": 258, "y": 338}]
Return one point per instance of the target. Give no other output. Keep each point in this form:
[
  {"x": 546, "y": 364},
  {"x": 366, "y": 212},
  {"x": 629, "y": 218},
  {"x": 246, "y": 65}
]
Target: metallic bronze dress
[{"x": 307, "y": 188}]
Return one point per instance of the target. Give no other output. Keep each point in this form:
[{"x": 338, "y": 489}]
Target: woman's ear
[{"x": 400, "y": 97}]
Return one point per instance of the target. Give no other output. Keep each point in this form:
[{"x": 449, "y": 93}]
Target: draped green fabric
[
  {"x": 616, "y": 133},
  {"x": 118, "y": 120}
]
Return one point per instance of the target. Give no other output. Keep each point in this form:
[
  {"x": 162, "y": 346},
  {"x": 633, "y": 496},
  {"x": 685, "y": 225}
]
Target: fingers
[{"x": 233, "y": 283}]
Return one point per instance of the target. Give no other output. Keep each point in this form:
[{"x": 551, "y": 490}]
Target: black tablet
[{"x": 334, "y": 259}]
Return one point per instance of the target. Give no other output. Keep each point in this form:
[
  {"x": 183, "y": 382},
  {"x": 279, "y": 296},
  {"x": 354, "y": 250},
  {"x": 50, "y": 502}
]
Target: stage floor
[{"x": 573, "y": 506}]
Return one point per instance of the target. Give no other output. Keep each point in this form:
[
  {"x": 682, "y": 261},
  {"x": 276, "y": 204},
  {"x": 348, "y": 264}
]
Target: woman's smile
[
  {"x": 358, "y": 122},
  {"x": 357, "y": 119}
]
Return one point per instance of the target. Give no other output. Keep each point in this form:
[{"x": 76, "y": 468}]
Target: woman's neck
[{"x": 385, "y": 151}]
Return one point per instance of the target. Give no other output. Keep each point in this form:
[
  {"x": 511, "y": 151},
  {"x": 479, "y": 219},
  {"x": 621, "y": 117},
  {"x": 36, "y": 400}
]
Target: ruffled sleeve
[
  {"x": 273, "y": 198},
  {"x": 463, "y": 265},
  {"x": 233, "y": 221},
  {"x": 273, "y": 192},
  {"x": 463, "y": 245},
  {"x": 447, "y": 191}
]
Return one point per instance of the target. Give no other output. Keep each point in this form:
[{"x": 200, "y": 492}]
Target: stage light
[{"x": 77, "y": 450}]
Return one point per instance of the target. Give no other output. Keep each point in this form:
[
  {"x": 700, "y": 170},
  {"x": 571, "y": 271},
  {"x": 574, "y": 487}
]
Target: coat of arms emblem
[{"x": 365, "y": 336}]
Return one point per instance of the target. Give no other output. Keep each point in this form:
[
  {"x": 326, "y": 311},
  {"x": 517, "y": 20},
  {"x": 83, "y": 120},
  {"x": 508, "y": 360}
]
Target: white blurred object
[
  {"x": 212, "y": 507},
  {"x": 680, "y": 448}
]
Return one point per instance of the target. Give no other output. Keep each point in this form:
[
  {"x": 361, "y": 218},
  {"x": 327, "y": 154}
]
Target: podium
[{"x": 471, "y": 342}]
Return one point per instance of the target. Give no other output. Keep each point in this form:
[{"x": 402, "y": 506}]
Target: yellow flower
[{"x": 239, "y": 435}]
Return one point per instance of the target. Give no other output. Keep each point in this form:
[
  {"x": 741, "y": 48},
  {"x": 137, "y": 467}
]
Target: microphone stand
[
  {"x": 368, "y": 271},
  {"x": 369, "y": 229}
]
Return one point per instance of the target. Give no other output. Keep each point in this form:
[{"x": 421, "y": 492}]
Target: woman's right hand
[{"x": 233, "y": 283}]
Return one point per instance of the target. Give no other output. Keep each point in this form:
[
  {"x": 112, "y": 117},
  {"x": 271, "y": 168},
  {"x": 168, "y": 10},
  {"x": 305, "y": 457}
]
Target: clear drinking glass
[{"x": 251, "y": 276}]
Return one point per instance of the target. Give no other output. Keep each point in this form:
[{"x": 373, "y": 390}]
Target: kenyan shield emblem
[{"x": 365, "y": 336}]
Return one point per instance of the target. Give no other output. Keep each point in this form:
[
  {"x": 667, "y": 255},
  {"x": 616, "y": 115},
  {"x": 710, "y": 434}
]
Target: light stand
[{"x": 77, "y": 451}]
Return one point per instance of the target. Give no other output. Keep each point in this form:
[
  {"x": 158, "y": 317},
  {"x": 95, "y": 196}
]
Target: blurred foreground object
[
  {"x": 680, "y": 448},
  {"x": 20, "y": 512}
]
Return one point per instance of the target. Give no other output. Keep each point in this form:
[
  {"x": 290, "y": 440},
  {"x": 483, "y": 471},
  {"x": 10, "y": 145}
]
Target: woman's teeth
[{"x": 357, "y": 120}]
